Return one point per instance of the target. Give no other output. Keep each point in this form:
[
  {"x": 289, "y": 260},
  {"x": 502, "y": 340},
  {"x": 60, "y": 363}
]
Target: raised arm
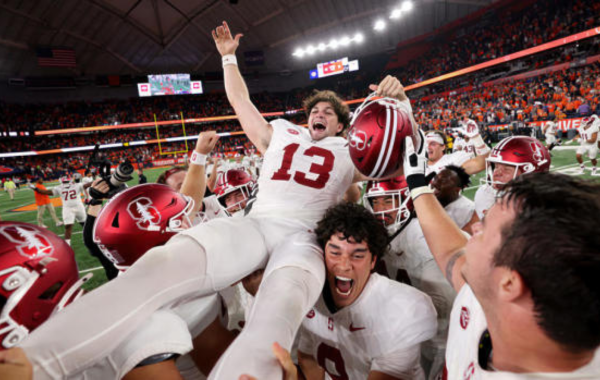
[
  {"x": 256, "y": 127},
  {"x": 444, "y": 238},
  {"x": 194, "y": 183},
  {"x": 42, "y": 191}
]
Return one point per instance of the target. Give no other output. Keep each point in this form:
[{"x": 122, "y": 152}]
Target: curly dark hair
[
  {"x": 464, "y": 179},
  {"x": 554, "y": 245},
  {"x": 340, "y": 108},
  {"x": 354, "y": 221}
]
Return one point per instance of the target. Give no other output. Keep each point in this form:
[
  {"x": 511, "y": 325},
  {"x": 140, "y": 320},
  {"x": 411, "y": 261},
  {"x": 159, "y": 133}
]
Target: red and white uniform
[
  {"x": 212, "y": 210},
  {"x": 457, "y": 159},
  {"x": 458, "y": 144},
  {"x": 550, "y": 132},
  {"x": 591, "y": 148},
  {"x": 70, "y": 195},
  {"x": 300, "y": 179},
  {"x": 381, "y": 331},
  {"x": 485, "y": 197},
  {"x": 409, "y": 256},
  {"x": 467, "y": 325}
]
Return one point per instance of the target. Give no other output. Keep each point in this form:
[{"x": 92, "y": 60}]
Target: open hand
[{"x": 226, "y": 44}]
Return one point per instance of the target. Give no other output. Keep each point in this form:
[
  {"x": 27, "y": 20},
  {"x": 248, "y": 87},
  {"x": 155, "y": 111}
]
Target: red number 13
[{"x": 322, "y": 170}]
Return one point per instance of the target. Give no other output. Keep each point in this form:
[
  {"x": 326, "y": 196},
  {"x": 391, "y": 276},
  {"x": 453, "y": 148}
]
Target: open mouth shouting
[
  {"x": 343, "y": 285},
  {"x": 319, "y": 126}
]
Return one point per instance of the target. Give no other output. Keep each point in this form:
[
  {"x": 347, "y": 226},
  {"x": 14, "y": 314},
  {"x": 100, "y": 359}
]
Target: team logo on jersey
[
  {"x": 310, "y": 314},
  {"x": 292, "y": 131},
  {"x": 30, "y": 243},
  {"x": 330, "y": 324},
  {"x": 464, "y": 317},
  {"x": 357, "y": 139},
  {"x": 142, "y": 210},
  {"x": 469, "y": 372}
]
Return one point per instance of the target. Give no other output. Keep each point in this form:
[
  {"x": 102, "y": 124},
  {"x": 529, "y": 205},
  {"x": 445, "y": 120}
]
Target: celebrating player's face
[
  {"x": 503, "y": 173},
  {"x": 323, "y": 121},
  {"x": 175, "y": 180},
  {"x": 381, "y": 205},
  {"x": 445, "y": 186},
  {"x": 235, "y": 201},
  {"x": 349, "y": 266},
  {"x": 435, "y": 150}
]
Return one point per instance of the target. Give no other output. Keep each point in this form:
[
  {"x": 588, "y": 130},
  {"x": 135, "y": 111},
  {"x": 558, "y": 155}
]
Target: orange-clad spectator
[{"x": 44, "y": 203}]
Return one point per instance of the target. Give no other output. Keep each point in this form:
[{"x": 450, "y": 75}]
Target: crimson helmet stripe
[
  {"x": 384, "y": 147},
  {"x": 392, "y": 141}
]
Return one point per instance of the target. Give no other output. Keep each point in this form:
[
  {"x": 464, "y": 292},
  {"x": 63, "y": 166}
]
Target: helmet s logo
[
  {"x": 292, "y": 131},
  {"x": 142, "y": 210},
  {"x": 30, "y": 242},
  {"x": 358, "y": 139},
  {"x": 537, "y": 153}
]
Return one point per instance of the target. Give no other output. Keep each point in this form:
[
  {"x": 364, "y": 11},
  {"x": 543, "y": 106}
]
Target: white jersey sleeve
[
  {"x": 212, "y": 209},
  {"x": 461, "y": 210},
  {"x": 467, "y": 325},
  {"x": 485, "y": 197},
  {"x": 457, "y": 159},
  {"x": 301, "y": 178}
]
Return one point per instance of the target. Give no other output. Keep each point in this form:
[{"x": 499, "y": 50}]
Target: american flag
[{"x": 55, "y": 57}]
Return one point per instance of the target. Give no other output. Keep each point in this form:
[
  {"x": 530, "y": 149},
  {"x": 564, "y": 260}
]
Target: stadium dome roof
[{"x": 159, "y": 36}]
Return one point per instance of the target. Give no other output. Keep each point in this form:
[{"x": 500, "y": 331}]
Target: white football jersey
[
  {"x": 212, "y": 210},
  {"x": 458, "y": 144},
  {"x": 461, "y": 210},
  {"x": 551, "y": 128},
  {"x": 301, "y": 178},
  {"x": 69, "y": 193},
  {"x": 485, "y": 197},
  {"x": 586, "y": 134},
  {"x": 388, "y": 317},
  {"x": 467, "y": 326},
  {"x": 456, "y": 159}
]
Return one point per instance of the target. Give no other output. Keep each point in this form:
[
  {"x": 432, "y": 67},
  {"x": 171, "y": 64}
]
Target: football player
[
  {"x": 438, "y": 159},
  {"x": 511, "y": 318},
  {"x": 511, "y": 157},
  {"x": 304, "y": 172},
  {"x": 447, "y": 186},
  {"x": 410, "y": 261},
  {"x": 588, "y": 138},
  {"x": 72, "y": 205},
  {"x": 364, "y": 325},
  {"x": 550, "y": 129}
]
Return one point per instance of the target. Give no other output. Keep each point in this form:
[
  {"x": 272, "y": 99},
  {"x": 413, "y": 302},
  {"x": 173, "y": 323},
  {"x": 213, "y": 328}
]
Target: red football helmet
[
  {"x": 397, "y": 188},
  {"x": 376, "y": 136},
  {"x": 140, "y": 218},
  {"x": 38, "y": 277},
  {"x": 589, "y": 120},
  {"x": 65, "y": 179},
  {"x": 231, "y": 181},
  {"x": 524, "y": 152}
]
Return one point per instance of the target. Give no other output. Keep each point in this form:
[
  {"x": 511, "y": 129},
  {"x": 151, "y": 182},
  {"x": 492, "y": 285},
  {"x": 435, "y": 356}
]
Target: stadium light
[
  {"x": 333, "y": 43},
  {"x": 379, "y": 25},
  {"x": 322, "y": 47},
  {"x": 407, "y": 6},
  {"x": 396, "y": 13},
  {"x": 299, "y": 53},
  {"x": 310, "y": 50},
  {"x": 345, "y": 41},
  {"x": 358, "y": 38}
]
